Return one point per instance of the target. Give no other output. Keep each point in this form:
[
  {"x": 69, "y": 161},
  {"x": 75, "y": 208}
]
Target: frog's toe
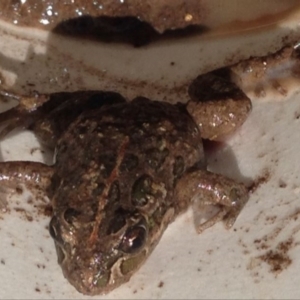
[
  {"x": 234, "y": 211},
  {"x": 215, "y": 198},
  {"x": 206, "y": 215}
]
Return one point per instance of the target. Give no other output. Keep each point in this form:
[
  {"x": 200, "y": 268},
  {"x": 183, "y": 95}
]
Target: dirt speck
[
  {"x": 282, "y": 184},
  {"x": 161, "y": 284},
  {"x": 25, "y": 214},
  {"x": 19, "y": 190},
  {"x": 41, "y": 266},
  {"x": 2, "y": 261},
  {"x": 37, "y": 290},
  {"x": 242, "y": 244},
  {"x": 271, "y": 219}
]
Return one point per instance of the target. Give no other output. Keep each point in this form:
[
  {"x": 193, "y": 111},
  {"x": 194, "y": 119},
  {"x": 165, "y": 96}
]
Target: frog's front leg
[
  {"x": 218, "y": 198},
  {"x": 34, "y": 176}
]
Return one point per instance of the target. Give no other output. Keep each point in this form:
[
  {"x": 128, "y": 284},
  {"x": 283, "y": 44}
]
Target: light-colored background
[{"x": 216, "y": 264}]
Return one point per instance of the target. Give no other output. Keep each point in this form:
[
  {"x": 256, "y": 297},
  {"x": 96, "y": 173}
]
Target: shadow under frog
[{"x": 124, "y": 170}]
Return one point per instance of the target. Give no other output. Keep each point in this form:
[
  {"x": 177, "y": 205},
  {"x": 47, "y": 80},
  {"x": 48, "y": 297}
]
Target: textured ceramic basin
[{"x": 259, "y": 257}]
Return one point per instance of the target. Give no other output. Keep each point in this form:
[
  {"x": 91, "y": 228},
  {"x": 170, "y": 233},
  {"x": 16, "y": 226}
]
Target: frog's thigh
[
  {"x": 214, "y": 196},
  {"x": 33, "y": 175},
  {"x": 218, "y": 105},
  {"x": 21, "y": 115}
]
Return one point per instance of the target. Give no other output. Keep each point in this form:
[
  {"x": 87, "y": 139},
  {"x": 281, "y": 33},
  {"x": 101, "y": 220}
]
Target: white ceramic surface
[{"x": 219, "y": 263}]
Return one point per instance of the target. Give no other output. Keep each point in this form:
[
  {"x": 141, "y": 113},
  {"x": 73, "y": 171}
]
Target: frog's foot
[
  {"x": 218, "y": 105},
  {"x": 215, "y": 198},
  {"x": 33, "y": 175},
  {"x": 22, "y": 115},
  {"x": 272, "y": 77}
]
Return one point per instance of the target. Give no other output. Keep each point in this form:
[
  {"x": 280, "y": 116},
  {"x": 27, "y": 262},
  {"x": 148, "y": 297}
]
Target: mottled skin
[{"x": 123, "y": 171}]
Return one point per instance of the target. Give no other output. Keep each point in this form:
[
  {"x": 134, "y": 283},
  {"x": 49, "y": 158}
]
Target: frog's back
[{"x": 163, "y": 142}]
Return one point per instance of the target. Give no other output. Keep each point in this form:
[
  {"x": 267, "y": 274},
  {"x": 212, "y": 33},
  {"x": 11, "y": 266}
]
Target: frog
[{"x": 124, "y": 170}]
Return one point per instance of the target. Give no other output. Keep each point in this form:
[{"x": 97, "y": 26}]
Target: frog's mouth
[{"x": 61, "y": 254}]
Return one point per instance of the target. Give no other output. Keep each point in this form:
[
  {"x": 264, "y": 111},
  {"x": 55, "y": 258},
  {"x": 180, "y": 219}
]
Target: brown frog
[{"x": 123, "y": 171}]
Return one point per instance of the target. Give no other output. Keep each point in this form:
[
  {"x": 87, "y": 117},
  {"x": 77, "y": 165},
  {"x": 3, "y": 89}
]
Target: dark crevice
[{"x": 129, "y": 30}]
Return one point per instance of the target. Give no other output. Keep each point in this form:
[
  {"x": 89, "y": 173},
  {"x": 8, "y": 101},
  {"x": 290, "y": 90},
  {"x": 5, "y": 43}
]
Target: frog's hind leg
[
  {"x": 22, "y": 115},
  {"x": 215, "y": 198},
  {"x": 218, "y": 105},
  {"x": 49, "y": 114},
  {"x": 35, "y": 176}
]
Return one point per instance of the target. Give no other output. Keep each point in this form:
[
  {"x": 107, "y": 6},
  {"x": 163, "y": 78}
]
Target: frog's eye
[{"x": 134, "y": 239}]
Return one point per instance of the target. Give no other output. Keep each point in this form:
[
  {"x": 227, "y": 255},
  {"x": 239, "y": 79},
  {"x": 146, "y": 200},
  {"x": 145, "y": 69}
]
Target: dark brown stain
[
  {"x": 46, "y": 210},
  {"x": 260, "y": 180},
  {"x": 19, "y": 190},
  {"x": 278, "y": 259}
]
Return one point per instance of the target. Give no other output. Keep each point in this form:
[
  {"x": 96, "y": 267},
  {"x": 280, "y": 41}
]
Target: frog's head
[{"x": 97, "y": 256}]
